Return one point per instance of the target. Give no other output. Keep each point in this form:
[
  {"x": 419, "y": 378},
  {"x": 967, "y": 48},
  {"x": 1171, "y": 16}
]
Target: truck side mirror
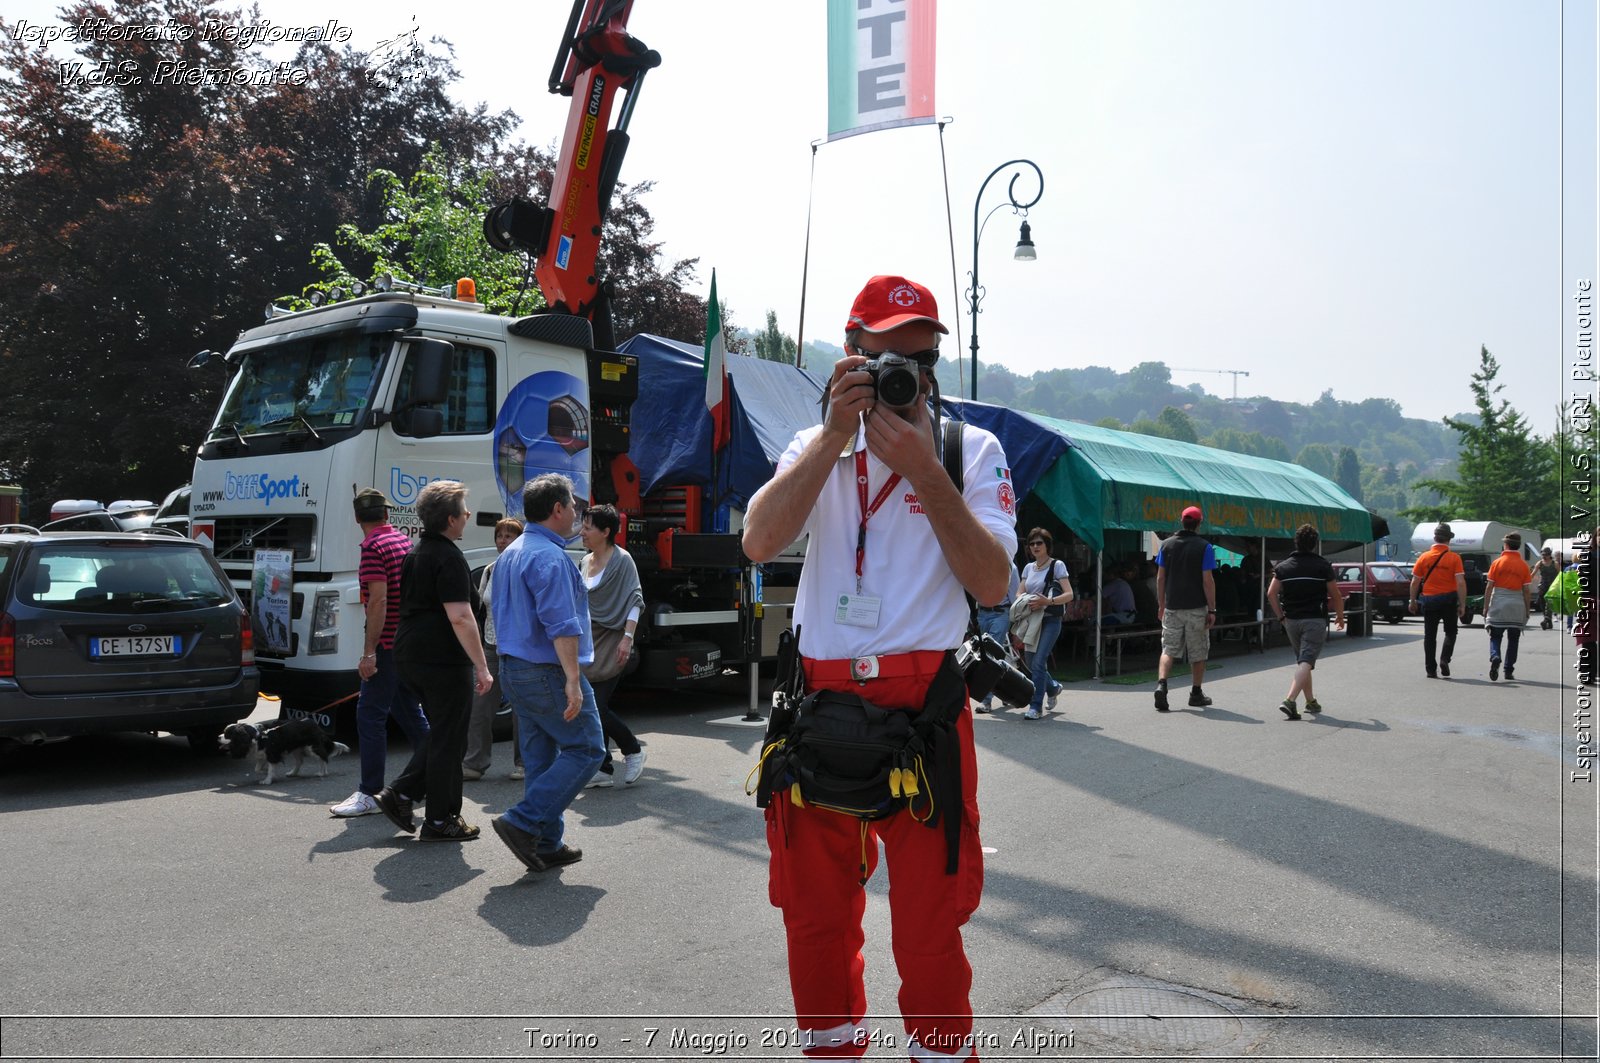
[
  {"x": 428, "y": 388},
  {"x": 423, "y": 422},
  {"x": 430, "y": 371}
]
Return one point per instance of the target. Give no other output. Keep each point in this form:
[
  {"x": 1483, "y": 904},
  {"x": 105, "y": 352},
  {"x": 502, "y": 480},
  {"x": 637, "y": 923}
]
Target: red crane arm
[{"x": 596, "y": 61}]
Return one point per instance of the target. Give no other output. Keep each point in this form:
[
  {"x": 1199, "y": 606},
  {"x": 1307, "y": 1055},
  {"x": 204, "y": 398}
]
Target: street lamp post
[{"x": 1024, "y": 251}]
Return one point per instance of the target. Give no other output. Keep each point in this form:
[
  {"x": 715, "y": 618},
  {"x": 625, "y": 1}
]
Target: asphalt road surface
[{"x": 1413, "y": 874}]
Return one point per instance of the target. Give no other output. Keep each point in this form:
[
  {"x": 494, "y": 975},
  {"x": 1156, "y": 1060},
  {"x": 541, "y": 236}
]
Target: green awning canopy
[{"x": 1110, "y": 480}]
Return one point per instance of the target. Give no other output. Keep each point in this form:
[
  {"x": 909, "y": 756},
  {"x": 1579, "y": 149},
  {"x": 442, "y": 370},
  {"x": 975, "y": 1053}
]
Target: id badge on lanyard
[{"x": 861, "y": 609}]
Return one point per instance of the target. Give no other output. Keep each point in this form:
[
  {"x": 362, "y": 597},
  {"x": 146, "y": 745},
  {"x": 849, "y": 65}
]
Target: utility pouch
[
  {"x": 841, "y": 752},
  {"x": 846, "y": 754}
]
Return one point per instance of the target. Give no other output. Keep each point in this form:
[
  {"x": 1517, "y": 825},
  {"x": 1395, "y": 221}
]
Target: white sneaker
[
  {"x": 601, "y": 779},
  {"x": 357, "y": 804},
  {"x": 471, "y": 774},
  {"x": 632, "y": 767},
  {"x": 1050, "y": 703},
  {"x": 517, "y": 773}
]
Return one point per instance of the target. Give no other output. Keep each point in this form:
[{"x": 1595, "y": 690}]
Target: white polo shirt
[{"x": 923, "y": 606}]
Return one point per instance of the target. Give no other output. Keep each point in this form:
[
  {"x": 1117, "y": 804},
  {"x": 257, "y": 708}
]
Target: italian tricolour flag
[{"x": 716, "y": 372}]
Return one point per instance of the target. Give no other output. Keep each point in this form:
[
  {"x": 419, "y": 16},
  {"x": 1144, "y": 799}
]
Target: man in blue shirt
[{"x": 541, "y": 617}]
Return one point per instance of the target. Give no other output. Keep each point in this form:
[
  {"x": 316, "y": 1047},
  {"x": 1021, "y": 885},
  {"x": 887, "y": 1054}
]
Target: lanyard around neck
[{"x": 866, "y": 510}]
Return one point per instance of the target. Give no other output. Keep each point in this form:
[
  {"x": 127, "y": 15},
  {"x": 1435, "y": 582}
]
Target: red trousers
[{"x": 815, "y": 877}]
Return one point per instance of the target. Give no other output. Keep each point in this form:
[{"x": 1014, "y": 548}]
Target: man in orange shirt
[
  {"x": 1506, "y": 605},
  {"x": 1439, "y": 590}
]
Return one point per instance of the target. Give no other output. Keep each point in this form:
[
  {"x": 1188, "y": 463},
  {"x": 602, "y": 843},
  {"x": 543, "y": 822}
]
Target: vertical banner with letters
[
  {"x": 880, "y": 65},
  {"x": 271, "y": 579}
]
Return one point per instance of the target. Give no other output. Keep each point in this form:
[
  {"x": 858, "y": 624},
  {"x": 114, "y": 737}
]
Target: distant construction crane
[{"x": 1237, "y": 373}]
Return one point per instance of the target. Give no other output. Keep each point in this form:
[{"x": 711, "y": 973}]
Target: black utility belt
[
  {"x": 844, "y": 753},
  {"x": 838, "y": 751}
]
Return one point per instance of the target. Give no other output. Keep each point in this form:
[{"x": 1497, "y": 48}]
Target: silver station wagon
[{"x": 119, "y": 631}]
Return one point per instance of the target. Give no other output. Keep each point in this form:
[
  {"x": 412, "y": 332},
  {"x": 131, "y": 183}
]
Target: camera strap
[
  {"x": 955, "y": 467},
  {"x": 868, "y": 510}
]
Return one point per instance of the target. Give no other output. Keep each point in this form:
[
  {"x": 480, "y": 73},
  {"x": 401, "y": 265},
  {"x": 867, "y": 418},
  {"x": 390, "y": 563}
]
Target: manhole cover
[{"x": 1154, "y": 1018}]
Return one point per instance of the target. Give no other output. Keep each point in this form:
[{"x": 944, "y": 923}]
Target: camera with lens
[
  {"x": 896, "y": 378},
  {"x": 984, "y": 666}
]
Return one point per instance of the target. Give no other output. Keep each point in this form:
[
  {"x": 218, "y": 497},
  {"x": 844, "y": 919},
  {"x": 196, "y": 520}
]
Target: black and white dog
[{"x": 273, "y": 742}]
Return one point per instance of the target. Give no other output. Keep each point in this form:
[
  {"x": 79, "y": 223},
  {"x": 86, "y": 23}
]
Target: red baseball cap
[
  {"x": 1193, "y": 513},
  {"x": 889, "y": 302}
]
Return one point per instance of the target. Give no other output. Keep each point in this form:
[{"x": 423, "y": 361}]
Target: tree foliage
[
  {"x": 1504, "y": 471},
  {"x": 1318, "y": 457},
  {"x": 772, "y": 344},
  {"x": 139, "y": 224},
  {"x": 1349, "y": 475},
  {"x": 429, "y": 231}
]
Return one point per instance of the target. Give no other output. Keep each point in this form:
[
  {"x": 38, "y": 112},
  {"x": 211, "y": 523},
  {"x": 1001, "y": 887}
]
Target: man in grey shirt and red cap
[{"x": 1186, "y": 602}]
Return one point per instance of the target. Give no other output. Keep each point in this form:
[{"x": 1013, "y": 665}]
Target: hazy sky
[{"x": 1351, "y": 195}]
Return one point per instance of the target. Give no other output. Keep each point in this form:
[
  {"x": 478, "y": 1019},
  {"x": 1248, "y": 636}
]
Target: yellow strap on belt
[
  {"x": 755, "y": 771},
  {"x": 908, "y": 780},
  {"x": 794, "y": 795},
  {"x": 911, "y": 806},
  {"x": 894, "y": 782},
  {"x": 863, "y": 852}
]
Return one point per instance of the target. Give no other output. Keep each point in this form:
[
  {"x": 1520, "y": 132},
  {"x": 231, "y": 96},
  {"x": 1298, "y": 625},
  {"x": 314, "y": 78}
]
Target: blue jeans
[
  {"x": 996, "y": 623},
  {"x": 559, "y": 756},
  {"x": 1049, "y": 631},
  {"x": 383, "y": 696},
  {"x": 1513, "y": 640}
]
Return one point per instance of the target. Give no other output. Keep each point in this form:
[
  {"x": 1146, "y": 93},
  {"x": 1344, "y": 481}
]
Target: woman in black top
[{"x": 441, "y": 659}]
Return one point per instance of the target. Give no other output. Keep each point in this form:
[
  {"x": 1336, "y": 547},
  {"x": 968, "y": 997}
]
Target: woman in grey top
[{"x": 615, "y": 602}]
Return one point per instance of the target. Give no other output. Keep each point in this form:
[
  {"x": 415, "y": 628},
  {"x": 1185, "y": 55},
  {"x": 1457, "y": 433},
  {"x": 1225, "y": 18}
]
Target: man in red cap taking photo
[
  {"x": 1186, "y": 602},
  {"x": 894, "y": 548}
]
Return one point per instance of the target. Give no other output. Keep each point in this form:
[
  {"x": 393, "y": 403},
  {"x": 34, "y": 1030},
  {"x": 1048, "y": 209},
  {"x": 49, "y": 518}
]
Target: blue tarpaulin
[
  {"x": 671, "y": 443},
  {"x": 1029, "y": 448},
  {"x": 771, "y": 402}
]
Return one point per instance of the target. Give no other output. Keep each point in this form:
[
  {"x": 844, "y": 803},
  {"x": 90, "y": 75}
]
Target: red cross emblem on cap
[{"x": 904, "y": 295}]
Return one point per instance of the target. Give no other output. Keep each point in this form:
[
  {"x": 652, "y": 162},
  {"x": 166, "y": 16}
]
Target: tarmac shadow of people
[
  {"x": 355, "y": 837},
  {"x": 420, "y": 872},
  {"x": 539, "y": 917},
  {"x": 1324, "y": 718},
  {"x": 1056, "y": 719},
  {"x": 1214, "y": 713}
]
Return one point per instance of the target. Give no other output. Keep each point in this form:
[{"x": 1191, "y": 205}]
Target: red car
[{"x": 1383, "y": 589}]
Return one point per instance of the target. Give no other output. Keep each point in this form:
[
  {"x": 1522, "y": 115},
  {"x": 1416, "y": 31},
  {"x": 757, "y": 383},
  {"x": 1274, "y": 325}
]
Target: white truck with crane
[{"x": 402, "y": 385}]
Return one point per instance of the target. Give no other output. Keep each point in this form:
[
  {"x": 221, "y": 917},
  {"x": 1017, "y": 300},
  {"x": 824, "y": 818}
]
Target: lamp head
[{"x": 1024, "y": 251}]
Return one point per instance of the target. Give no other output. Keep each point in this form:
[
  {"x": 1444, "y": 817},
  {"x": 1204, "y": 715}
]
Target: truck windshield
[{"x": 320, "y": 382}]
